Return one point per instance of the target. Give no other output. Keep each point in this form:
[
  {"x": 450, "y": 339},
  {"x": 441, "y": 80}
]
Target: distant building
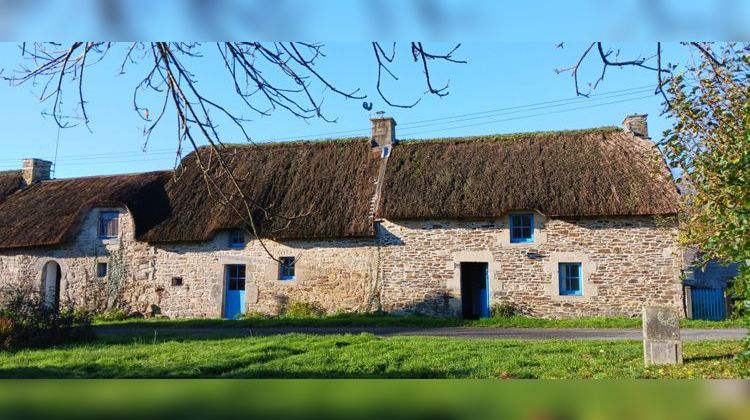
[{"x": 706, "y": 287}]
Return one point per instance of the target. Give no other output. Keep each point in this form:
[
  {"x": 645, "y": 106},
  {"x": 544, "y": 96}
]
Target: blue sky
[{"x": 498, "y": 77}]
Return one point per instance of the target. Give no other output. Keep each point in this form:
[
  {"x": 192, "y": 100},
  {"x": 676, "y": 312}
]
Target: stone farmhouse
[{"x": 555, "y": 224}]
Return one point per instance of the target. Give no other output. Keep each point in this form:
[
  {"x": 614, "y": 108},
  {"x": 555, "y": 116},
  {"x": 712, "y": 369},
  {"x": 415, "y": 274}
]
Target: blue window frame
[
  {"x": 237, "y": 238},
  {"x": 570, "y": 279},
  {"x": 286, "y": 268},
  {"x": 521, "y": 228}
]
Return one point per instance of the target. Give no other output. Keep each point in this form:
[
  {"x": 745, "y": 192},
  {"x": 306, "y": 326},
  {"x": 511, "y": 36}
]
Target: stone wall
[
  {"x": 336, "y": 275},
  {"x": 333, "y": 274},
  {"x": 626, "y": 262},
  {"x": 412, "y": 267},
  {"x": 130, "y": 266}
]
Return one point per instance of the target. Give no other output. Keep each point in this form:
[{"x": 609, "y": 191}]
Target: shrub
[
  {"x": 253, "y": 315},
  {"x": 504, "y": 310},
  {"x": 300, "y": 309},
  {"x": 112, "y": 315},
  {"x": 25, "y": 321}
]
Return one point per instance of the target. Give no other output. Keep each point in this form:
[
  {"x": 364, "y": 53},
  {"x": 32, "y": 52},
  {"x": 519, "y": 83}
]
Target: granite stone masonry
[
  {"x": 360, "y": 225},
  {"x": 409, "y": 267}
]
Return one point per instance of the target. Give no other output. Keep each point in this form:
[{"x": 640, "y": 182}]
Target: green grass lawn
[
  {"x": 376, "y": 320},
  {"x": 362, "y": 356}
]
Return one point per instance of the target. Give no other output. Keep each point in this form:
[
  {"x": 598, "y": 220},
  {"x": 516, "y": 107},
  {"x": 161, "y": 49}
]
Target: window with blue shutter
[
  {"x": 521, "y": 228},
  {"x": 570, "y": 279},
  {"x": 286, "y": 268},
  {"x": 109, "y": 222}
]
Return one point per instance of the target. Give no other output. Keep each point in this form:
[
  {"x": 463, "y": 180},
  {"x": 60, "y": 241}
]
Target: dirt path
[{"x": 451, "y": 332}]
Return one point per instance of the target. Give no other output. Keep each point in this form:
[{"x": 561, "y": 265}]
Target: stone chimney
[
  {"x": 383, "y": 131},
  {"x": 636, "y": 124},
  {"x": 35, "y": 170}
]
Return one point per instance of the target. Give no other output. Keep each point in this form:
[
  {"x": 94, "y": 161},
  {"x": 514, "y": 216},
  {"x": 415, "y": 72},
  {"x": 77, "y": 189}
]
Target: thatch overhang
[
  {"x": 597, "y": 172},
  {"x": 309, "y": 190}
]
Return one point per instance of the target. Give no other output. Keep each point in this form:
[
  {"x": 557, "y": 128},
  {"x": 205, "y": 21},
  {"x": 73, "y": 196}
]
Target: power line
[
  {"x": 497, "y": 114},
  {"x": 577, "y": 98},
  {"x": 527, "y": 116},
  {"x": 557, "y": 101},
  {"x": 101, "y": 155},
  {"x": 479, "y": 115}
]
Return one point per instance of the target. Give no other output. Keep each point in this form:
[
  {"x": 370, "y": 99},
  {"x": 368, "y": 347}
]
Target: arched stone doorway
[{"x": 51, "y": 275}]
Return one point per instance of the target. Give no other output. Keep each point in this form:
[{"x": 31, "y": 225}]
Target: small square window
[
  {"x": 101, "y": 269},
  {"x": 286, "y": 268},
  {"x": 521, "y": 228},
  {"x": 176, "y": 281},
  {"x": 237, "y": 238},
  {"x": 109, "y": 222},
  {"x": 570, "y": 279}
]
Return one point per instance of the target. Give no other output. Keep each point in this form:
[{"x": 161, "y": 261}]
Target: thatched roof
[
  {"x": 330, "y": 184},
  {"x": 570, "y": 173},
  {"x": 51, "y": 212},
  {"x": 10, "y": 182}
]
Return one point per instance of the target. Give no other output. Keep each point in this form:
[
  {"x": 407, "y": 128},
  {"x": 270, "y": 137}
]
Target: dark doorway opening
[{"x": 474, "y": 291}]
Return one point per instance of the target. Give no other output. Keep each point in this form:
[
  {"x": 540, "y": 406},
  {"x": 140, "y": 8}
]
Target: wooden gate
[{"x": 708, "y": 304}]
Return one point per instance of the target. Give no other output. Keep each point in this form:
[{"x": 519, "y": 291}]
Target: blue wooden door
[
  {"x": 484, "y": 295},
  {"x": 234, "y": 297},
  {"x": 708, "y": 304}
]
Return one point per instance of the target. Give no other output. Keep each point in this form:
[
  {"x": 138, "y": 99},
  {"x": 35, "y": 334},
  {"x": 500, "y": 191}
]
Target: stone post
[{"x": 661, "y": 336}]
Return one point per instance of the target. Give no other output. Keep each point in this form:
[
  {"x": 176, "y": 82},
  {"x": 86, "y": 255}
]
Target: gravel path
[{"x": 452, "y": 332}]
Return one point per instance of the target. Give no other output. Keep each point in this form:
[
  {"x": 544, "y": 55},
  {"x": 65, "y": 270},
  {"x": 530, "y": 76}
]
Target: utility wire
[
  {"x": 526, "y": 116},
  {"x": 479, "y": 115}
]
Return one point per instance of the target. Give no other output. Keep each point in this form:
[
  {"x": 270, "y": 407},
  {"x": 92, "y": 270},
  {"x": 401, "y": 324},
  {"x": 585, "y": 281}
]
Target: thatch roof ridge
[
  {"x": 111, "y": 176},
  {"x": 512, "y": 136},
  {"x": 286, "y": 143}
]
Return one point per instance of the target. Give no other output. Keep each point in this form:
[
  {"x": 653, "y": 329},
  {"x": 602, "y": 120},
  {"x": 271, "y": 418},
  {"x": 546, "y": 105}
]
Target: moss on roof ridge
[
  {"x": 292, "y": 143},
  {"x": 129, "y": 174},
  {"x": 514, "y": 136}
]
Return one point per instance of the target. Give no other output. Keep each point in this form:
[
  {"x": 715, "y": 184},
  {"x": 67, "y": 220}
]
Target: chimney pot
[
  {"x": 383, "y": 131},
  {"x": 636, "y": 124},
  {"x": 35, "y": 170}
]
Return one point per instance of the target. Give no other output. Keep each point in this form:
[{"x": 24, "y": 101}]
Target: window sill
[
  {"x": 522, "y": 244},
  {"x": 288, "y": 283}
]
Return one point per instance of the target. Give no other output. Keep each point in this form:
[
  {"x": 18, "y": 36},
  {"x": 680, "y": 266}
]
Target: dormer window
[
  {"x": 237, "y": 238},
  {"x": 109, "y": 223},
  {"x": 521, "y": 228}
]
